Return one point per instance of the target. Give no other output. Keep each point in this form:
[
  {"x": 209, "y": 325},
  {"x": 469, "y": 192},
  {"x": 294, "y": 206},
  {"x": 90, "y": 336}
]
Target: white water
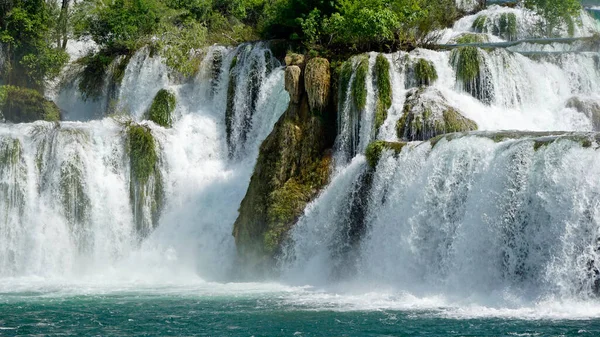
[
  {"x": 65, "y": 197},
  {"x": 441, "y": 223}
]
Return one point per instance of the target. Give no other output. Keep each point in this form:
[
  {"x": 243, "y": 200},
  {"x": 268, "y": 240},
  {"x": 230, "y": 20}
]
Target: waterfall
[
  {"x": 355, "y": 119},
  {"x": 466, "y": 216},
  {"x": 71, "y": 206}
]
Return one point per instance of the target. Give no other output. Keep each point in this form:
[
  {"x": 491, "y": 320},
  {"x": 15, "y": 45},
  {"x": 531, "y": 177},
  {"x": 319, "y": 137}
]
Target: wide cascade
[
  {"x": 419, "y": 191},
  {"x": 502, "y": 218}
]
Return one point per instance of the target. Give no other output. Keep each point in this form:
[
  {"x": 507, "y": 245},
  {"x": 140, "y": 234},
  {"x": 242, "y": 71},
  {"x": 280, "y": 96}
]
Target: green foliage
[
  {"x": 26, "y": 29},
  {"x": 555, "y": 13},
  {"x": 358, "y": 24},
  {"x": 23, "y": 105},
  {"x": 384, "y": 90},
  {"x": 359, "y": 85},
  {"x": 161, "y": 110},
  {"x": 142, "y": 152},
  {"x": 425, "y": 72},
  {"x": 466, "y": 63}
]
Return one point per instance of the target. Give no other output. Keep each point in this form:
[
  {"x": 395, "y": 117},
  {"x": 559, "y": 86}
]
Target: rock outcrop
[
  {"x": 426, "y": 115},
  {"x": 292, "y": 168}
]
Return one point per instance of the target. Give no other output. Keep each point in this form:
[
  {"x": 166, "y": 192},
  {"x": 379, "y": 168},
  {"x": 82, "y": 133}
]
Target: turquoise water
[{"x": 251, "y": 310}]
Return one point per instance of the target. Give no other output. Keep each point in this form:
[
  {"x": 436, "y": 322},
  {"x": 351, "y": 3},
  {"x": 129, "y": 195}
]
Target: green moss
[
  {"x": 95, "y": 68},
  {"x": 455, "y": 122},
  {"x": 142, "y": 151},
  {"x": 507, "y": 26},
  {"x": 471, "y": 38},
  {"x": 161, "y": 110},
  {"x": 384, "y": 90},
  {"x": 359, "y": 85},
  {"x": 376, "y": 148},
  {"x": 479, "y": 25},
  {"x": 22, "y": 105},
  {"x": 425, "y": 73},
  {"x": 466, "y": 63}
]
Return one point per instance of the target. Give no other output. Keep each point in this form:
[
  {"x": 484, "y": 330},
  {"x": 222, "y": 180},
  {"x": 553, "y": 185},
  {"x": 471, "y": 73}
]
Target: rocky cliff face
[{"x": 292, "y": 168}]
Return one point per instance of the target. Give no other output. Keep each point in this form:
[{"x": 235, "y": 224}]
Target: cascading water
[
  {"x": 491, "y": 219},
  {"x": 71, "y": 206}
]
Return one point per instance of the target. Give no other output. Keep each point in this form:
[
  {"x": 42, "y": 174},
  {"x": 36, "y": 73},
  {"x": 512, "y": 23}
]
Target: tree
[
  {"x": 26, "y": 33},
  {"x": 555, "y": 13}
]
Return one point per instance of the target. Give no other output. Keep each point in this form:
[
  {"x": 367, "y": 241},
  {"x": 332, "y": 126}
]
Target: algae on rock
[
  {"x": 427, "y": 115},
  {"x": 162, "y": 108}
]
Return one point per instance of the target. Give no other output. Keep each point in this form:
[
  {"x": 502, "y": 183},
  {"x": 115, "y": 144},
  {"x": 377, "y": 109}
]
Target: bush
[{"x": 161, "y": 110}]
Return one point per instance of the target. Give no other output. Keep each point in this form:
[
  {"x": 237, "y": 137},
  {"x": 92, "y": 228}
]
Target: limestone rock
[
  {"x": 292, "y": 59},
  {"x": 293, "y": 84},
  {"x": 317, "y": 81}
]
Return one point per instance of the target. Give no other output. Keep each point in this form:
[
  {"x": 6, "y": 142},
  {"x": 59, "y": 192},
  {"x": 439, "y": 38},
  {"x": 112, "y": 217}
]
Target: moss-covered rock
[
  {"x": 359, "y": 85},
  {"x": 468, "y": 38},
  {"x": 317, "y": 82},
  {"x": 427, "y": 115},
  {"x": 480, "y": 24},
  {"x": 292, "y": 167},
  {"x": 384, "y": 90},
  {"x": 22, "y": 105},
  {"x": 162, "y": 108},
  {"x": 507, "y": 26},
  {"x": 142, "y": 152},
  {"x": 587, "y": 106},
  {"x": 145, "y": 188},
  {"x": 374, "y": 150},
  {"x": 467, "y": 63},
  {"x": 425, "y": 73}
]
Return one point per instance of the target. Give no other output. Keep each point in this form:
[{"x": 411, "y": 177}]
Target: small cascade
[
  {"x": 144, "y": 76},
  {"x": 249, "y": 67},
  {"x": 509, "y": 24},
  {"x": 356, "y": 110}
]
